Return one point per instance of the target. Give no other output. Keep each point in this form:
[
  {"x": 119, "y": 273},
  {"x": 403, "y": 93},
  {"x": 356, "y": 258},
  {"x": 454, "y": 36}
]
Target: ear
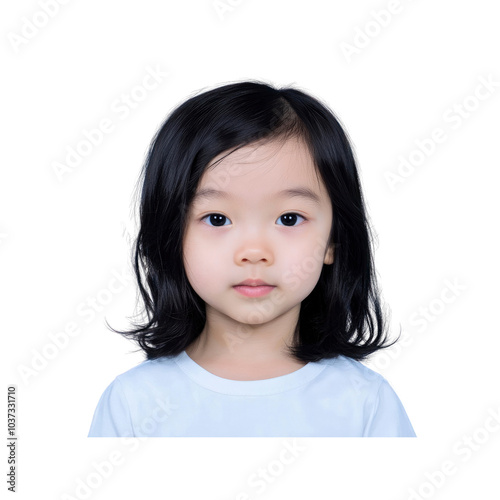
[{"x": 329, "y": 256}]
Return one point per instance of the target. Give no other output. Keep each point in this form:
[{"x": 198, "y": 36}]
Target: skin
[{"x": 244, "y": 338}]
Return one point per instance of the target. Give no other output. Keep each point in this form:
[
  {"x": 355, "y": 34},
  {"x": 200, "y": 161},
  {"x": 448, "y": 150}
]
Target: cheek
[
  {"x": 202, "y": 264},
  {"x": 191, "y": 259},
  {"x": 302, "y": 266},
  {"x": 304, "y": 255}
]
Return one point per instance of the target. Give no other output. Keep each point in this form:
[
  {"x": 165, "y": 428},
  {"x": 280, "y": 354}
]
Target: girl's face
[{"x": 262, "y": 214}]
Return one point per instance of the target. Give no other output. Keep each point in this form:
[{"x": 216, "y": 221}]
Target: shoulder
[
  {"x": 145, "y": 384},
  {"x": 148, "y": 371},
  {"x": 363, "y": 390},
  {"x": 353, "y": 374}
]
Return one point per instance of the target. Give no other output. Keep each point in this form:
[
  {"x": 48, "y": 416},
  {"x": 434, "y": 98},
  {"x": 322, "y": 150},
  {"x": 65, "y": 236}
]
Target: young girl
[{"x": 254, "y": 262}]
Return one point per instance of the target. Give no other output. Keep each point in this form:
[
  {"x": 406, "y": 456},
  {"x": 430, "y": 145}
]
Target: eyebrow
[{"x": 297, "y": 192}]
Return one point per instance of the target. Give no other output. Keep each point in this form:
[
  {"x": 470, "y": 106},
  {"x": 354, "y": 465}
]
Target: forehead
[{"x": 261, "y": 169}]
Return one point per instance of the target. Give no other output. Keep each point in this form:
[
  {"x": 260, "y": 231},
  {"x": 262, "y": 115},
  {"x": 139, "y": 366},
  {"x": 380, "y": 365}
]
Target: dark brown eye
[
  {"x": 216, "y": 220},
  {"x": 290, "y": 219},
  {"x": 219, "y": 220}
]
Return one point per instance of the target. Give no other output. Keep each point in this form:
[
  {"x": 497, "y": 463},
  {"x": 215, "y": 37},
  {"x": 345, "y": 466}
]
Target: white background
[{"x": 63, "y": 238}]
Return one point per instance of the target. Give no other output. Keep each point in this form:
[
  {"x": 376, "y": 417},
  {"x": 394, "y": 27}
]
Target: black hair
[{"x": 342, "y": 315}]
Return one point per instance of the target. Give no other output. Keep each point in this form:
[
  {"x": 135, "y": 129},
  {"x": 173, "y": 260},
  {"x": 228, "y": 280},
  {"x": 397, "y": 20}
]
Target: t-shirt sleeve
[
  {"x": 112, "y": 415},
  {"x": 388, "y": 417}
]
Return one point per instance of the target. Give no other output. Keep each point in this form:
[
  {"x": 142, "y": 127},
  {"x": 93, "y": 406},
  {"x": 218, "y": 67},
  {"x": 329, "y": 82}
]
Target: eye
[
  {"x": 216, "y": 220},
  {"x": 290, "y": 219}
]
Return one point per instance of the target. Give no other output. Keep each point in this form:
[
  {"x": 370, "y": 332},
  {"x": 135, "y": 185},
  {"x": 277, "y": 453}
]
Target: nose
[{"x": 253, "y": 251}]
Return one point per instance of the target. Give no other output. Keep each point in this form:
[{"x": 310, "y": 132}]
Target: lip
[
  {"x": 254, "y": 290},
  {"x": 251, "y": 282}
]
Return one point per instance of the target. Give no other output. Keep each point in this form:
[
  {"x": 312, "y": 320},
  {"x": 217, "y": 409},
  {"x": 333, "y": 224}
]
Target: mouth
[
  {"x": 253, "y": 288},
  {"x": 251, "y": 282}
]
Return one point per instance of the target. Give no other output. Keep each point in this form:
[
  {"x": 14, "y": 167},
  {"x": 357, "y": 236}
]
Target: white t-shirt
[{"x": 175, "y": 397}]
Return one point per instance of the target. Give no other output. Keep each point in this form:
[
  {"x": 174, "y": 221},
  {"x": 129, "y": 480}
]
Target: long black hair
[{"x": 342, "y": 315}]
